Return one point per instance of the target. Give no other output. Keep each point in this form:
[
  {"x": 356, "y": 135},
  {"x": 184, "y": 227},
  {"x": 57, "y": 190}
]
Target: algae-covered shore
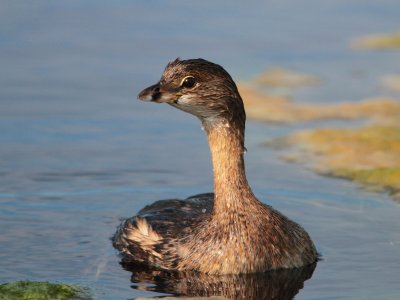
[
  {"x": 369, "y": 154},
  {"x": 377, "y": 42},
  {"x": 261, "y": 106},
  {"x": 30, "y": 290}
]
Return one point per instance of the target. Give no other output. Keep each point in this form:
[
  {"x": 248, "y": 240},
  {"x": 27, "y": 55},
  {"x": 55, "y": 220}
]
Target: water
[{"x": 78, "y": 152}]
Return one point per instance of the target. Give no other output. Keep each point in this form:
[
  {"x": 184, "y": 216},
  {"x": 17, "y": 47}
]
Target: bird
[{"x": 228, "y": 231}]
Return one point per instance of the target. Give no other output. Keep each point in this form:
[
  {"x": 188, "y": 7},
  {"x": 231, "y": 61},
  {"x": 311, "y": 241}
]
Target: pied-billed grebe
[{"x": 230, "y": 231}]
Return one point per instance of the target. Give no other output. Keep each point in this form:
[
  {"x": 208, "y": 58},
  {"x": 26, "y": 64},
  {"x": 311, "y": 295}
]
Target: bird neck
[{"x": 231, "y": 189}]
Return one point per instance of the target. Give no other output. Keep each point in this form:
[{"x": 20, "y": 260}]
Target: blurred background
[{"x": 78, "y": 152}]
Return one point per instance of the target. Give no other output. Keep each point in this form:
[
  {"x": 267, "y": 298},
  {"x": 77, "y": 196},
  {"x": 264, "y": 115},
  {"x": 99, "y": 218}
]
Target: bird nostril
[{"x": 156, "y": 94}]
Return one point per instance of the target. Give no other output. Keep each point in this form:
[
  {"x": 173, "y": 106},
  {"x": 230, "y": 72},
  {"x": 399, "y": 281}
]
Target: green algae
[
  {"x": 33, "y": 290},
  {"x": 378, "y": 42},
  {"x": 261, "y": 106},
  {"x": 382, "y": 178},
  {"x": 368, "y": 155},
  {"x": 391, "y": 82},
  {"x": 280, "y": 77}
]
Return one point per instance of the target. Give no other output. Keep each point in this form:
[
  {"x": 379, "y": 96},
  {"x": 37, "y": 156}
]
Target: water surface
[{"x": 78, "y": 152}]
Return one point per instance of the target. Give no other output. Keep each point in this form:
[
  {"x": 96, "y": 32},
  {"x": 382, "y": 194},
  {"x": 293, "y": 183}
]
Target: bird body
[{"x": 229, "y": 231}]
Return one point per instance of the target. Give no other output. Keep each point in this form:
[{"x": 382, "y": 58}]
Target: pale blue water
[{"x": 78, "y": 152}]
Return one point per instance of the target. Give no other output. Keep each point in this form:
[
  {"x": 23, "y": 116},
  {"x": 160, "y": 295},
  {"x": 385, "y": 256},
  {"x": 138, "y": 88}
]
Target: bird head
[{"x": 199, "y": 87}]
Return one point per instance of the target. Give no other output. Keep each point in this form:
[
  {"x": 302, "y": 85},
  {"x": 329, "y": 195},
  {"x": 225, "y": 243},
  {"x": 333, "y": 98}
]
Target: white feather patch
[{"x": 144, "y": 235}]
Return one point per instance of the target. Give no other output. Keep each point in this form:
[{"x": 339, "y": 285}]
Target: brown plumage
[{"x": 230, "y": 231}]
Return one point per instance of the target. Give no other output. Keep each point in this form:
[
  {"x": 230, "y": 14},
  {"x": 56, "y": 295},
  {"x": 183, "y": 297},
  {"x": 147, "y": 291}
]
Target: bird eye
[{"x": 188, "y": 82}]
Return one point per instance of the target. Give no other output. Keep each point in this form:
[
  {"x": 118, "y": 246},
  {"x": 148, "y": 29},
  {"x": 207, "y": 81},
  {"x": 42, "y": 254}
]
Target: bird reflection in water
[{"x": 278, "y": 284}]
